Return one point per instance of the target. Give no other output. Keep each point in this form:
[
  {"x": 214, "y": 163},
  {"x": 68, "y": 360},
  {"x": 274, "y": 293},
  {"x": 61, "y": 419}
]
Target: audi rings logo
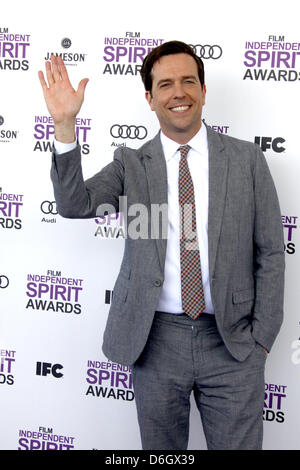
[
  {"x": 3, "y": 282},
  {"x": 128, "y": 132},
  {"x": 207, "y": 51},
  {"x": 48, "y": 207}
]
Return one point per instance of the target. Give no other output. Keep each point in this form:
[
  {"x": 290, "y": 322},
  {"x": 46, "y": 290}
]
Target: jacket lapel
[
  {"x": 156, "y": 172},
  {"x": 218, "y": 172}
]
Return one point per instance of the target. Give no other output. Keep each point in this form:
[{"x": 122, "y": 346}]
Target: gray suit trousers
[{"x": 184, "y": 356}]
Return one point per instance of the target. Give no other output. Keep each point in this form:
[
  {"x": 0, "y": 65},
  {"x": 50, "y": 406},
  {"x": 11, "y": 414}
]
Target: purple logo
[
  {"x": 275, "y": 396},
  {"x": 44, "y": 133},
  {"x": 109, "y": 380},
  {"x": 125, "y": 55},
  {"x": 14, "y": 50},
  {"x": 44, "y": 439},
  {"x": 110, "y": 226},
  {"x": 54, "y": 292},
  {"x": 275, "y": 59},
  {"x": 218, "y": 128},
  {"x": 10, "y": 210},
  {"x": 7, "y": 363}
]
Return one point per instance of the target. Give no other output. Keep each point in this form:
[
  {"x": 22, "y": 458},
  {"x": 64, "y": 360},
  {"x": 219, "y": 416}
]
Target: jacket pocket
[
  {"x": 121, "y": 287},
  {"x": 120, "y": 293},
  {"x": 242, "y": 296}
]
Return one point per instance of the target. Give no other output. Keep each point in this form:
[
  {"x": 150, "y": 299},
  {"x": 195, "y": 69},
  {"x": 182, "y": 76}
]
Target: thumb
[{"x": 81, "y": 86}]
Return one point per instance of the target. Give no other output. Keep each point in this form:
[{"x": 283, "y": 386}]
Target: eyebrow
[{"x": 185, "y": 77}]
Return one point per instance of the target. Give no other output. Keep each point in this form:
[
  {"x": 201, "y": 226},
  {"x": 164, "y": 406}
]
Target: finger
[
  {"x": 42, "y": 81},
  {"x": 49, "y": 73},
  {"x": 55, "y": 70},
  {"x": 62, "y": 69}
]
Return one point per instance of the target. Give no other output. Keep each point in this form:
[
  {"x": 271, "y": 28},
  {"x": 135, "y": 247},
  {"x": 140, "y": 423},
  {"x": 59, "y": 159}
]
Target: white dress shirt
[
  {"x": 170, "y": 297},
  {"x": 61, "y": 147}
]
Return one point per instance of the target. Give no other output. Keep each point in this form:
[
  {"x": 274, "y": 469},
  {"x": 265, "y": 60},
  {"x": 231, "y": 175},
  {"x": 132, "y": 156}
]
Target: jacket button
[{"x": 157, "y": 282}]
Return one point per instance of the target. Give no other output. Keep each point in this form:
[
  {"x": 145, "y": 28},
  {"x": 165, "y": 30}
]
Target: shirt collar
[{"x": 198, "y": 143}]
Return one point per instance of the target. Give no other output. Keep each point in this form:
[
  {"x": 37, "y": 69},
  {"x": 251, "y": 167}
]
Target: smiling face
[{"x": 177, "y": 96}]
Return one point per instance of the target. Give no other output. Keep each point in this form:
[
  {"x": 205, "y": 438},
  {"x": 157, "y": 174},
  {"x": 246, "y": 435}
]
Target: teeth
[{"x": 180, "y": 109}]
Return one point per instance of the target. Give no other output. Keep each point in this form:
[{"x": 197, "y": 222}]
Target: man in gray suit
[{"x": 192, "y": 312}]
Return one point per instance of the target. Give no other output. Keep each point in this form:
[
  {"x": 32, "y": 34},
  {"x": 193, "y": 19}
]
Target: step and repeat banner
[{"x": 57, "y": 389}]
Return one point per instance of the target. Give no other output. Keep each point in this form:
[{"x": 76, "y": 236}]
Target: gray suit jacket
[{"x": 245, "y": 236}]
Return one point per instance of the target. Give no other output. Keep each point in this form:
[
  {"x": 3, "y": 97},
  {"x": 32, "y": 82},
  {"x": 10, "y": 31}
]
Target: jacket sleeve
[
  {"x": 76, "y": 198},
  {"x": 269, "y": 262}
]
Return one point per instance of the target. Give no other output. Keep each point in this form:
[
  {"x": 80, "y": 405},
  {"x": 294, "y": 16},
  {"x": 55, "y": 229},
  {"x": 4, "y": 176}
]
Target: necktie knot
[{"x": 184, "y": 150}]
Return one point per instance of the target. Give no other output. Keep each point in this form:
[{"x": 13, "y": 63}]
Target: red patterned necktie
[{"x": 192, "y": 294}]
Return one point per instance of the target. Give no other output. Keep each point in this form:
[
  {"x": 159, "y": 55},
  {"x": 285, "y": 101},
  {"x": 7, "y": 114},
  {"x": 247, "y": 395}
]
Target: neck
[{"x": 183, "y": 137}]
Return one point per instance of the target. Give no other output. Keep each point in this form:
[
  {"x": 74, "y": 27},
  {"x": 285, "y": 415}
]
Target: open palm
[{"x": 62, "y": 101}]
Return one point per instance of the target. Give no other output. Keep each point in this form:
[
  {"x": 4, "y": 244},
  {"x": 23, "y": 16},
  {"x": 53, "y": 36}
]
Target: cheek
[
  {"x": 156, "y": 106},
  {"x": 159, "y": 101}
]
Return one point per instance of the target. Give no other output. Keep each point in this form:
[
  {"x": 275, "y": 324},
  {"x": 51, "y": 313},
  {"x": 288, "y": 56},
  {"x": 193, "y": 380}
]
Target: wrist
[{"x": 65, "y": 131}]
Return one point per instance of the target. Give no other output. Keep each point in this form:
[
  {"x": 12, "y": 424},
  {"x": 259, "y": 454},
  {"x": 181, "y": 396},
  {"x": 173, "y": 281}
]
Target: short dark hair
[{"x": 168, "y": 48}]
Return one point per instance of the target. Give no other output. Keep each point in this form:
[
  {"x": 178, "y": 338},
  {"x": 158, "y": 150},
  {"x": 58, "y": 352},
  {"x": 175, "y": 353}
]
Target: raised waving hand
[{"x": 63, "y": 102}]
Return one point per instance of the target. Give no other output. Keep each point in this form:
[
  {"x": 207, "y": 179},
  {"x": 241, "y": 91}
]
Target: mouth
[{"x": 180, "y": 109}]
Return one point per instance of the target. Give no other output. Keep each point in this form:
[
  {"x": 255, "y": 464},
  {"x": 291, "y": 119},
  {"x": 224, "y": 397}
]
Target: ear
[
  {"x": 149, "y": 98},
  {"x": 203, "y": 94}
]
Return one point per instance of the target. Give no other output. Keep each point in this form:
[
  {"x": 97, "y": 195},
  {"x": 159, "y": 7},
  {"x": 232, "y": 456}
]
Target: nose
[{"x": 179, "y": 91}]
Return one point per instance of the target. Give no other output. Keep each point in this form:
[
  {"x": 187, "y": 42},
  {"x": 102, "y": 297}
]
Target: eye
[{"x": 164, "y": 85}]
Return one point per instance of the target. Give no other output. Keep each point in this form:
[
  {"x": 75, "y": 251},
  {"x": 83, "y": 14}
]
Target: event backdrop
[{"x": 57, "y": 389}]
